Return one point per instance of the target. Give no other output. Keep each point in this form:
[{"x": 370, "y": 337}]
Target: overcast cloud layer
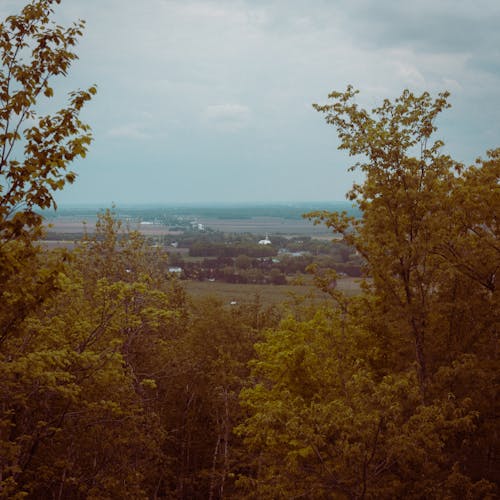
[{"x": 211, "y": 100}]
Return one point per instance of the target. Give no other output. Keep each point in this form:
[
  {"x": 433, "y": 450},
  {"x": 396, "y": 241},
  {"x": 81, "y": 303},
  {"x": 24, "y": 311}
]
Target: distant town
[{"x": 237, "y": 244}]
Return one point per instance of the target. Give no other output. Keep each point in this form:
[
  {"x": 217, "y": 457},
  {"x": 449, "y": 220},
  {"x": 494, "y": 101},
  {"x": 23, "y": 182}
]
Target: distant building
[
  {"x": 265, "y": 241},
  {"x": 197, "y": 226}
]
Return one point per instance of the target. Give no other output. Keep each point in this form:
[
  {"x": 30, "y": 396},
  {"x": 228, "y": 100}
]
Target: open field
[
  {"x": 259, "y": 225},
  {"x": 54, "y": 244},
  {"x": 255, "y": 225},
  {"x": 69, "y": 225},
  {"x": 268, "y": 294}
]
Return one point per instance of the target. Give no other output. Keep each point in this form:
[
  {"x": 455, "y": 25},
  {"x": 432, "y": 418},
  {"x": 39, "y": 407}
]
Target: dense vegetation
[
  {"x": 239, "y": 259},
  {"x": 115, "y": 385}
]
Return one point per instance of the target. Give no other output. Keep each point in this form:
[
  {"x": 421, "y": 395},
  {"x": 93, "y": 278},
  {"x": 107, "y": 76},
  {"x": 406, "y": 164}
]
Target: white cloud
[
  {"x": 133, "y": 131},
  {"x": 452, "y": 85},
  {"x": 227, "y": 116},
  {"x": 411, "y": 75}
]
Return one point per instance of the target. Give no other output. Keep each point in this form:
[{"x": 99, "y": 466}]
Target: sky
[{"x": 211, "y": 100}]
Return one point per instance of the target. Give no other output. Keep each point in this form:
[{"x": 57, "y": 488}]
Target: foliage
[
  {"x": 77, "y": 405},
  {"x": 35, "y": 151},
  {"x": 33, "y": 51},
  {"x": 395, "y": 397},
  {"x": 324, "y": 425},
  {"x": 115, "y": 385},
  {"x": 208, "y": 249}
]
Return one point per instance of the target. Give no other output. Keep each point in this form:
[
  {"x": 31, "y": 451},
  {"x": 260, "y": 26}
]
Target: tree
[
  {"x": 405, "y": 202},
  {"x": 322, "y": 424},
  {"x": 84, "y": 382},
  {"x": 429, "y": 237},
  {"x": 394, "y": 398},
  {"x": 35, "y": 150},
  {"x": 34, "y": 50},
  {"x": 276, "y": 277},
  {"x": 243, "y": 262},
  {"x": 35, "y": 153}
]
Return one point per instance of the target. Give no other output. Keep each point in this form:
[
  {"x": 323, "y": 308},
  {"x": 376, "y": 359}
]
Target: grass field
[
  {"x": 268, "y": 294},
  {"x": 261, "y": 225}
]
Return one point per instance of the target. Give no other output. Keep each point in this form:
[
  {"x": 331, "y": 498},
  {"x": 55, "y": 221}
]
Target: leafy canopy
[{"x": 36, "y": 149}]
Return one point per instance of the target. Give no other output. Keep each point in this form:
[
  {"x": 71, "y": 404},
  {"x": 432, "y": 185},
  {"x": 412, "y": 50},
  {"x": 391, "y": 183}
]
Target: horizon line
[{"x": 198, "y": 203}]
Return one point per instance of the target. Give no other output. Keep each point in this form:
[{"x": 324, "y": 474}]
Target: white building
[{"x": 265, "y": 241}]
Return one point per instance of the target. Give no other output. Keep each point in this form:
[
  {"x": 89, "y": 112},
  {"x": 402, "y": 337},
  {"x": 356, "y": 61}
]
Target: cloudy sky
[{"x": 210, "y": 100}]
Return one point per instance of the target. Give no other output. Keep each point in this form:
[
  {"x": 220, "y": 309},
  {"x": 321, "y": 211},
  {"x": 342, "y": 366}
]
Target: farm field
[
  {"x": 268, "y": 294},
  {"x": 254, "y": 225},
  {"x": 259, "y": 225},
  {"x": 73, "y": 225},
  {"x": 54, "y": 244}
]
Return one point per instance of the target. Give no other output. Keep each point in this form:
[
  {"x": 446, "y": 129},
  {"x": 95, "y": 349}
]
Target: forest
[{"x": 116, "y": 384}]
